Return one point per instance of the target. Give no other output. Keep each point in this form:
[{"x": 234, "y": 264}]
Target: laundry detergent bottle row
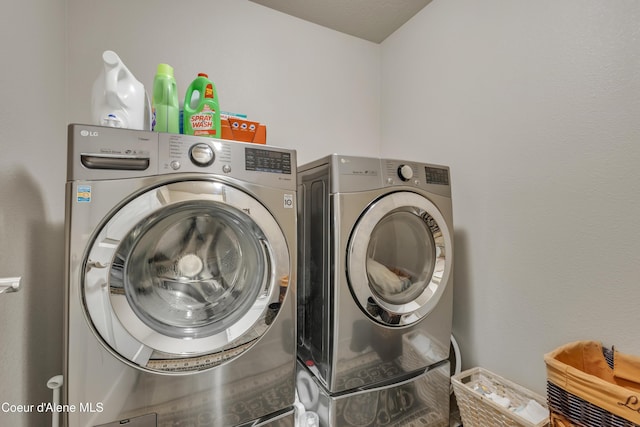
[
  {"x": 201, "y": 109},
  {"x": 118, "y": 99},
  {"x": 164, "y": 101}
]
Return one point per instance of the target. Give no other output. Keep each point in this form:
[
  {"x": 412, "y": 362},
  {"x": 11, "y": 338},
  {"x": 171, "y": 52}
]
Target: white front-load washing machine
[
  {"x": 179, "y": 254},
  {"x": 375, "y": 294}
]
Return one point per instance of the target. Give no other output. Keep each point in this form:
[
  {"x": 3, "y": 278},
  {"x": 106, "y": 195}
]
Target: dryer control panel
[
  {"x": 433, "y": 178},
  {"x": 355, "y": 173}
]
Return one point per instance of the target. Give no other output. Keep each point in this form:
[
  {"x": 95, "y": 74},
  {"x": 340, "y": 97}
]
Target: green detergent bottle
[
  {"x": 201, "y": 109},
  {"x": 164, "y": 104}
]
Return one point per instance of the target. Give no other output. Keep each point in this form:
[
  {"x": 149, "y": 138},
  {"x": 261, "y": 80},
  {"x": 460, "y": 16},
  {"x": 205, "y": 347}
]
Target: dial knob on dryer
[
  {"x": 201, "y": 154},
  {"x": 405, "y": 172}
]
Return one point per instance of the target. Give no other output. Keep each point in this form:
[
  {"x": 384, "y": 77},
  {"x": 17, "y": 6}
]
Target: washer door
[
  {"x": 399, "y": 258},
  {"x": 183, "y": 277}
]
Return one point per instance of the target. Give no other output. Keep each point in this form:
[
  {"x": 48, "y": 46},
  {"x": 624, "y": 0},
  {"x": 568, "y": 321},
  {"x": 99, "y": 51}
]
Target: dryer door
[
  {"x": 399, "y": 258},
  {"x": 183, "y": 276}
]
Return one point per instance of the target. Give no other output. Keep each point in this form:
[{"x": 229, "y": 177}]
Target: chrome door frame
[
  {"x": 120, "y": 330},
  {"x": 414, "y": 311}
]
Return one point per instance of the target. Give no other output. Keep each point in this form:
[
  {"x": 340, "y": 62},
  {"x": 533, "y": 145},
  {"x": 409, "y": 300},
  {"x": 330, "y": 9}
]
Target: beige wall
[
  {"x": 316, "y": 89},
  {"x": 32, "y": 165},
  {"x": 536, "y": 107}
]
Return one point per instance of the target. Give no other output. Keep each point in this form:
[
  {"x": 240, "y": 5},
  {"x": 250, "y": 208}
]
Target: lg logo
[{"x": 85, "y": 132}]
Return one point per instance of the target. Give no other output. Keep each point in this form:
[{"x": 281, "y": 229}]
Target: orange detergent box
[{"x": 241, "y": 129}]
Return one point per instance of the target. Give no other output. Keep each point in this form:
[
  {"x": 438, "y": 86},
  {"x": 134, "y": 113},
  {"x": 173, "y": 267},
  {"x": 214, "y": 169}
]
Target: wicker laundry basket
[
  {"x": 589, "y": 385},
  {"x": 477, "y": 410}
]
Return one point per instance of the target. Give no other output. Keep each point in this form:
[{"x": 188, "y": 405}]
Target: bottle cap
[
  {"x": 110, "y": 58},
  {"x": 165, "y": 69}
]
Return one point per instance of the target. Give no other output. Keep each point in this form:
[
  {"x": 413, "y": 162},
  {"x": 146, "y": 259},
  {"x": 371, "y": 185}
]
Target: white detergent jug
[{"x": 118, "y": 99}]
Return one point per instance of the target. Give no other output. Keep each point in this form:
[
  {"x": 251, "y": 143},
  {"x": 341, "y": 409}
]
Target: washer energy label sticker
[
  {"x": 288, "y": 201},
  {"x": 83, "y": 194}
]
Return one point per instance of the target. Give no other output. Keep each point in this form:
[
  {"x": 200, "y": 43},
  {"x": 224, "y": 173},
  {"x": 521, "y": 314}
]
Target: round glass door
[
  {"x": 182, "y": 272},
  {"x": 192, "y": 271},
  {"x": 399, "y": 258}
]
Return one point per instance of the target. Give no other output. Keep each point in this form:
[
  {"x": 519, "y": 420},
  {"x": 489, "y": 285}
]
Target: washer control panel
[
  {"x": 251, "y": 162},
  {"x": 183, "y": 153},
  {"x": 98, "y": 152},
  {"x": 256, "y": 159}
]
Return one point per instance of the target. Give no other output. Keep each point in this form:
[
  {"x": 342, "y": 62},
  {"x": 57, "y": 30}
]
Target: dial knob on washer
[
  {"x": 201, "y": 154},
  {"x": 405, "y": 172}
]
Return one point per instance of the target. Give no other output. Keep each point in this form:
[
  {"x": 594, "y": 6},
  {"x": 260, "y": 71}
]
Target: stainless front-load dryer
[
  {"x": 179, "y": 253},
  {"x": 375, "y": 261}
]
